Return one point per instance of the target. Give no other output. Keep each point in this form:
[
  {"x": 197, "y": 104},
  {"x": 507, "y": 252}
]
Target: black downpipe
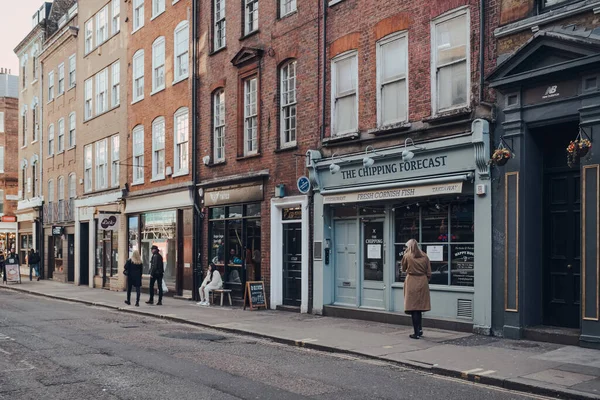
[
  {"x": 324, "y": 67},
  {"x": 196, "y": 242},
  {"x": 481, "y": 48}
]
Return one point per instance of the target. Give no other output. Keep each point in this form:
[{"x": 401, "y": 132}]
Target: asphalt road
[{"x": 57, "y": 350}]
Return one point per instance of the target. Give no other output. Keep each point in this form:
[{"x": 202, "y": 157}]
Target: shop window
[
  {"x": 234, "y": 240},
  {"x": 107, "y": 253},
  {"x": 25, "y": 245},
  {"x": 134, "y": 237},
  {"x": 160, "y": 229},
  {"x": 446, "y": 232}
]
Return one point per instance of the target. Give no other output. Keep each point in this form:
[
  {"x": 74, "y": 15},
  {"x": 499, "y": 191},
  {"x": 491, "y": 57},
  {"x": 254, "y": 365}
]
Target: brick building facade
[
  {"x": 258, "y": 115},
  {"x": 159, "y": 171}
]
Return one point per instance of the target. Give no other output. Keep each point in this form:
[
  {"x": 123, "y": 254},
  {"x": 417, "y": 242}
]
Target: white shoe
[{"x": 200, "y": 303}]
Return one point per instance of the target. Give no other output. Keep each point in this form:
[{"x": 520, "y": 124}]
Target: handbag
[
  {"x": 164, "y": 286},
  {"x": 125, "y": 270}
]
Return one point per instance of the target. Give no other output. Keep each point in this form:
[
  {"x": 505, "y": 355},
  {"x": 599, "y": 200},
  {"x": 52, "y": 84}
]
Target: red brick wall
[{"x": 10, "y": 140}]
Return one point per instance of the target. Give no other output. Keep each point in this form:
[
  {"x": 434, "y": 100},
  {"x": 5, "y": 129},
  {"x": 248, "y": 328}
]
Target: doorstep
[
  {"x": 288, "y": 308},
  {"x": 552, "y": 334},
  {"x": 388, "y": 317}
]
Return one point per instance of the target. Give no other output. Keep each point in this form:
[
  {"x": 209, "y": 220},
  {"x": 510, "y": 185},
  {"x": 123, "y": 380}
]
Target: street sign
[{"x": 303, "y": 184}]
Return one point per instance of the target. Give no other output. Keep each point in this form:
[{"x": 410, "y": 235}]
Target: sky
[{"x": 15, "y": 23}]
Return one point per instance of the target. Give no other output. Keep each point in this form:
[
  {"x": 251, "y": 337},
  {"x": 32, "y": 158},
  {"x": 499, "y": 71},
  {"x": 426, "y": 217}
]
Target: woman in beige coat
[{"x": 416, "y": 285}]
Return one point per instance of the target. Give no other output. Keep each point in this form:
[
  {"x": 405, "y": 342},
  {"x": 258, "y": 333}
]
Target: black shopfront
[{"x": 546, "y": 211}]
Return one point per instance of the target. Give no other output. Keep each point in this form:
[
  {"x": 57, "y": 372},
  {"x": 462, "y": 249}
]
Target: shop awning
[{"x": 424, "y": 188}]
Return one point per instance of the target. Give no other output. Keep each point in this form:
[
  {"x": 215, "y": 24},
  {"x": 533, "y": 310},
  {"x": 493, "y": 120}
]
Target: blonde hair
[
  {"x": 136, "y": 258},
  {"x": 413, "y": 249}
]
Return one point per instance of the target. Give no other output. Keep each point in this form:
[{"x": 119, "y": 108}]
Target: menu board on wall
[{"x": 463, "y": 265}]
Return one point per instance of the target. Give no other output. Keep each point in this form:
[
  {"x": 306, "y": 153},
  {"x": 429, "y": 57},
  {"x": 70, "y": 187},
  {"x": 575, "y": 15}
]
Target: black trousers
[
  {"x": 158, "y": 280},
  {"x": 417, "y": 319},
  {"x": 137, "y": 290}
]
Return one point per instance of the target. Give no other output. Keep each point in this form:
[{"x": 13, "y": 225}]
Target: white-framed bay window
[
  {"x": 220, "y": 25},
  {"x": 182, "y": 51},
  {"x": 251, "y": 116},
  {"x": 138, "y": 154},
  {"x": 219, "y": 126},
  {"x": 158, "y": 148},
  {"x": 87, "y": 168},
  {"x": 450, "y": 61},
  {"x": 114, "y": 160},
  {"x": 250, "y": 16},
  {"x": 138, "y": 75},
  {"x": 158, "y": 64},
  {"x": 392, "y": 79},
  {"x": 182, "y": 137},
  {"x": 101, "y": 164},
  {"x": 344, "y": 94},
  {"x": 288, "y": 103},
  {"x": 138, "y": 14}
]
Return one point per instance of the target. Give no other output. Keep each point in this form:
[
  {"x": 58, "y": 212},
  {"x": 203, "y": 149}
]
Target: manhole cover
[{"x": 194, "y": 336}]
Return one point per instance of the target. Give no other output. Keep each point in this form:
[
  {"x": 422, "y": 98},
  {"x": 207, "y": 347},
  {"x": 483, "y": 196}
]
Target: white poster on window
[
  {"x": 374, "y": 251},
  {"x": 435, "y": 253}
]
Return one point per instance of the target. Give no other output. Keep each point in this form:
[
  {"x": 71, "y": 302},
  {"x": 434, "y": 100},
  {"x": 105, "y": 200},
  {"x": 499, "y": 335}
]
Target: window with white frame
[
  {"x": 220, "y": 25},
  {"x": 72, "y": 125},
  {"x": 116, "y": 16},
  {"x": 61, "y": 198},
  {"x": 51, "y": 140},
  {"x": 182, "y": 133},
  {"x": 101, "y": 89},
  {"x": 24, "y": 124},
  {"x": 32, "y": 182},
  {"x": 87, "y": 107},
  {"x": 72, "y": 72},
  {"x": 158, "y": 64},
  {"x": 182, "y": 58},
  {"x": 61, "y": 79},
  {"x": 138, "y": 14},
  {"x": 344, "y": 84},
  {"x": 114, "y": 161},
  {"x": 89, "y": 36},
  {"x": 72, "y": 186},
  {"x": 1, "y": 159},
  {"x": 158, "y": 148},
  {"x": 34, "y": 63},
  {"x": 61, "y": 135},
  {"x": 219, "y": 125},
  {"x": 287, "y": 111},
  {"x": 24, "y": 72},
  {"x": 36, "y": 127},
  {"x": 158, "y": 7},
  {"x": 138, "y": 154},
  {"x": 450, "y": 50},
  {"x": 50, "y": 191},
  {"x": 101, "y": 165},
  {"x": 392, "y": 65},
  {"x": 250, "y": 16},
  {"x": 51, "y": 86},
  {"x": 251, "y": 116},
  {"x": 116, "y": 84},
  {"x": 1, "y": 121},
  {"x": 138, "y": 75},
  {"x": 24, "y": 182},
  {"x": 286, "y": 7},
  {"x": 102, "y": 26},
  {"x": 87, "y": 168}
]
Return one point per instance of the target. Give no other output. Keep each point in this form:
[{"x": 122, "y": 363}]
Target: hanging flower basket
[
  {"x": 577, "y": 149},
  {"x": 500, "y": 156}
]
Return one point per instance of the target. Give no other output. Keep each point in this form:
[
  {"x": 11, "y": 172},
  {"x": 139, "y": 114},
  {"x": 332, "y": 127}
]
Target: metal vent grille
[
  {"x": 464, "y": 309},
  {"x": 318, "y": 250}
]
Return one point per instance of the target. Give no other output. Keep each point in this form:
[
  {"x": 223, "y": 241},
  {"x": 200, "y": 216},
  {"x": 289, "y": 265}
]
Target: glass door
[{"x": 373, "y": 263}]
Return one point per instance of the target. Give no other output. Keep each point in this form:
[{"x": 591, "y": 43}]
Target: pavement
[{"x": 533, "y": 367}]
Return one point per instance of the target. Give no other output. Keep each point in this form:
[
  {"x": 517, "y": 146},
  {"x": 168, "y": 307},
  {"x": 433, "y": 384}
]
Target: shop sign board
[
  {"x": 12, "y": 268},
  {"x": 57, "y": 230},
  {"x": 254, "y": 295},
  {"x": 108, "y": 222},
  {"x": 232, "y": 195},
  {"x": 303, "y": 185},
  {"x": 8, "y": 218},
  {"x": 551, "y": 91},
  {"x": 397, "y": 193}
]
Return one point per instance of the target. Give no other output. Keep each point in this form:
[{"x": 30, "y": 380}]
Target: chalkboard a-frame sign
[{"x": 254, "y": 295}]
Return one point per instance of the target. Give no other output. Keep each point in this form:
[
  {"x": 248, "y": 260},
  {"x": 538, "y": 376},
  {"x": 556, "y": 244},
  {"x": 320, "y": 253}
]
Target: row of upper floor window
[
  {"x": 60, "y": 186},
  {"x": 139, "y": 8},
  {"x": 96, "y": 29},
  {"x": 158, "y": 163},
  {"x": 56, "y": 79},
  {"x": 96, "y": 164},
  {"x": 102, "y": 92},
  {"x": 56, "y": 135},
  {"x": 181, "y": 62}
]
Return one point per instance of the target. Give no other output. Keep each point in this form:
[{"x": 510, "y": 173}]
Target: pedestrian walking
[
  {"x": 417, "y": 266},
  {"x": 157, "y": 272},
  {"x": 33, "y": 258},
  {"x": 212, "y": 282},
  {"x": 133, "y": 271},
  {"x": 2, "y": 266}
]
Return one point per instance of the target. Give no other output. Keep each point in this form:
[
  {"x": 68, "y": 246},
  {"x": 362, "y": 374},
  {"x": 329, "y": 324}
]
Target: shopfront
[
  {"x": 367, "y": 209},
  {"x": 546, "y": 207},
  {"x": 234, "y": 233},
  {"x": 170, "y": 230},
  {"x": 25, "y": 236}
]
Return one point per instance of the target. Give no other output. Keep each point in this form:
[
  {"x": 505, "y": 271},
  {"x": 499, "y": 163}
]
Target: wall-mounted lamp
[
  {"x": 408, "y": 155},
  {"x": 334, "y": 168},
  {"x": 368, "y": 161}
]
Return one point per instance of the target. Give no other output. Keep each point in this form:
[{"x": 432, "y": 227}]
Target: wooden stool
[{"x": 221, "y": 292}]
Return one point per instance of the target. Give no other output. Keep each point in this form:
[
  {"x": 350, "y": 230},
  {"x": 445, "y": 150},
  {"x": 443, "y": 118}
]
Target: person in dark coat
[
  {"x": 2, "y": 266},
  {"x": 417, "y": 266},
  {"x": 33, "y": 259},
  {"x": 133, "y": 271},
  {"x": 157, "y": 272}
]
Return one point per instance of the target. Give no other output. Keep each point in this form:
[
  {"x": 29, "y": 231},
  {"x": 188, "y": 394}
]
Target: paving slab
[{"x": 558, "y": 377}]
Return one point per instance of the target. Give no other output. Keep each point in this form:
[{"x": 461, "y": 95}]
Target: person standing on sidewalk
[
  {"x": 33, "y": 258},
  {"x": 157, "y": 271},
  {"x": 2, "y": 266},
  {"x": 133, "y": 271},
  {"x": 417, "y": 266},
  {"x": 212, "y": 282}
]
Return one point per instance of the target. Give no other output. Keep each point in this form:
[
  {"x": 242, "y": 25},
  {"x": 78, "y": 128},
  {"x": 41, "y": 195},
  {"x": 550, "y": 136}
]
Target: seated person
[{"x": 212, "y": 281}]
